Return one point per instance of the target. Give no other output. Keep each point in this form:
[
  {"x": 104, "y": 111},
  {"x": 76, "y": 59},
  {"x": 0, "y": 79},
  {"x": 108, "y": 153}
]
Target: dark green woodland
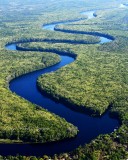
[{"x": 97, "y": 79}]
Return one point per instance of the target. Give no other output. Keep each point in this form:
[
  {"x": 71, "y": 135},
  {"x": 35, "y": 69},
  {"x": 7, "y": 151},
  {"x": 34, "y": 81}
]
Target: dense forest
[{"x": 96, "y": 79}]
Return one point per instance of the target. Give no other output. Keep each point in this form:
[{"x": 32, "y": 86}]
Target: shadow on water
[{"x": 89, "y": 127}]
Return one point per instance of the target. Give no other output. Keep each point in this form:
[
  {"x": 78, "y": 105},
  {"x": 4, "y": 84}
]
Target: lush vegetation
[
  {"x": 95, "y": 80},
  {"x": 20, "y": 121}
]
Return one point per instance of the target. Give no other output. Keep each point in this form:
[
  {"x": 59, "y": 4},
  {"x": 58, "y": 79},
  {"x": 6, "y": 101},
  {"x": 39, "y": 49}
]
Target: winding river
[{"x": 89, "y": 127}]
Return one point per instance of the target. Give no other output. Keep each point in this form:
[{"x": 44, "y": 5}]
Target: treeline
[
  {"x": 93, "y": 81},
  {"x": 27, "y": 122},
  {"x": 119, "y": 45},
  {"x": 40, "y": 49},
  {"x": 104, "y": 147},
  {"x": 68, "y": 38},
  {"x": 97, "y": 78},
  {"x": 69, "y": 30}
]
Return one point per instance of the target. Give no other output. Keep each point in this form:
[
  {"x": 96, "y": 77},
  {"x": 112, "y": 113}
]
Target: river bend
[{"x": 89, "y": 127}]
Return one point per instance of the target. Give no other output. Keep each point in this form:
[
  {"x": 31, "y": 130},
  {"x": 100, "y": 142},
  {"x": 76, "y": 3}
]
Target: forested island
[{"x": 95, "y": 82}]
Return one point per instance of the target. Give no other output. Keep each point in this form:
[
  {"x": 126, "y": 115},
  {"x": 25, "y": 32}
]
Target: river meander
[{"x": 89, "y": 127}]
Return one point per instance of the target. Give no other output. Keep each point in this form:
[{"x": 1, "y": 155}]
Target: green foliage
[
  {"x": 95, "y": 80},
  {"x": 21, "y": 121},
  {"x": 98, "y": 78}
]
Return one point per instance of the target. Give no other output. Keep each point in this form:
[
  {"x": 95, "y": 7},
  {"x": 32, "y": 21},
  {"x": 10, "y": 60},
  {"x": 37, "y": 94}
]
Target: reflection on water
[{"x": 89, "y": 127}]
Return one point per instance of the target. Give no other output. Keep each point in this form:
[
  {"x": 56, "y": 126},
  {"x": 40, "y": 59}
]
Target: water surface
[{"x": 89, "y": 127}]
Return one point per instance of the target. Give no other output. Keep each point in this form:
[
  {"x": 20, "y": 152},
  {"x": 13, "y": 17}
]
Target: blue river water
[{"x": 89, "y": 127}]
